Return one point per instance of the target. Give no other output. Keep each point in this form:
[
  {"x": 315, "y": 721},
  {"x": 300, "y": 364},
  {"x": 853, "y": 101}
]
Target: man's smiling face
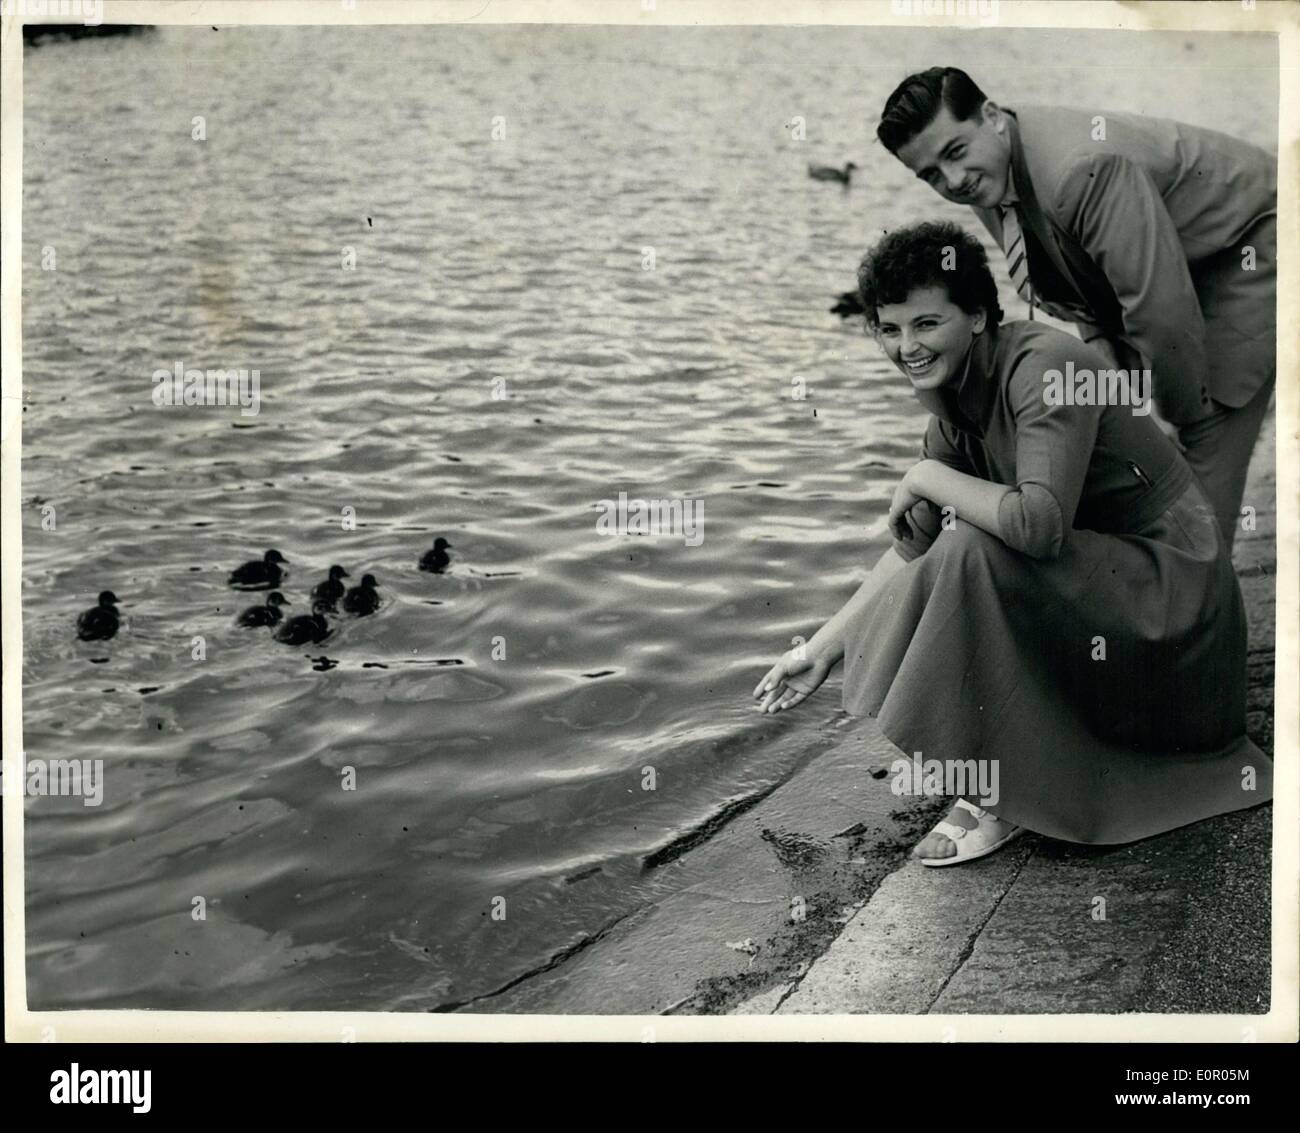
[{"x": 966, "y": 162}]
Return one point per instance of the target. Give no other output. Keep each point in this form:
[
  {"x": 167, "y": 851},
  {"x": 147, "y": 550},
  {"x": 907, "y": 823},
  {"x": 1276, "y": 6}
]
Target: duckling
[
  {"x": 260, "y": 576},
  {"x": 830, "y": 173},
  {"x": 267, "y": 615},
  {"x": 437, "y": 560},
  {"x": 331, "y": 590},
  {"x": 848, "y": 305},
  {"x": 99, "y": 623},
  {"x": 305, "y": 628},
  {"x": 363, "y": 599}
]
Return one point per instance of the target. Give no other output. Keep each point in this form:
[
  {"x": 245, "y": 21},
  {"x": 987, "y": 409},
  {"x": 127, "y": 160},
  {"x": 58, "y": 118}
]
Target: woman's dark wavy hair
[
  {"x": 916, "y": 100},
  {"x": 915, "y": 257}
]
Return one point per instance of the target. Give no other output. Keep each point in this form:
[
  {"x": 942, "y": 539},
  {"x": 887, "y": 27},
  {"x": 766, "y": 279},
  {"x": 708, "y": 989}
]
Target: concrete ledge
[{"x": 898, "y": 953}]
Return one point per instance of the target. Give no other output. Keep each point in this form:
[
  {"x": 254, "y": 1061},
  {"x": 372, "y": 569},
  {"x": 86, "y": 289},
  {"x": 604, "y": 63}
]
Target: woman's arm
[
  {"x": 800, "y": 672},
  {"x": 828, "y": 642},
  {"x": 971, "y": 498},
  {"x": 1053, "y": 449}
]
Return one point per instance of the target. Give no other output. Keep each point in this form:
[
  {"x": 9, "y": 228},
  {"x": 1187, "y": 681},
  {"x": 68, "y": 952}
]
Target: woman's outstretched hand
[{"x": 791, "y": 681}]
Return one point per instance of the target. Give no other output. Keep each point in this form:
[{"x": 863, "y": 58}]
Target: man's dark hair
[
  {"x": 931, "y": 254},
  {"x": 916, "y": 101}
]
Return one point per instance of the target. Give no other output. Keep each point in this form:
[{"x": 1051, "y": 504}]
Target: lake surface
[{"x": 456, "y": 334}]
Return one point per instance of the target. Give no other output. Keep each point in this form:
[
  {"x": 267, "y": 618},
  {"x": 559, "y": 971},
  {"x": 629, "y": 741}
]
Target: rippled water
[{"x": 483, "y": 265}]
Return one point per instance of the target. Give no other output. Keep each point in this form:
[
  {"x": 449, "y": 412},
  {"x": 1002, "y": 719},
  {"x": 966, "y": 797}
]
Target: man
[{"x": 1156, "y": 238}]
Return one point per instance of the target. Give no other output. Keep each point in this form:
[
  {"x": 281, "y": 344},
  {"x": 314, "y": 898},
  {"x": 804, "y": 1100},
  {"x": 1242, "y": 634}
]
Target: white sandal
[{"x": 971, "y": 844}]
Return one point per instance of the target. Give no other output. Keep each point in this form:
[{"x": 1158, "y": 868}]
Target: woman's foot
[{"x": 966, "y": 834}]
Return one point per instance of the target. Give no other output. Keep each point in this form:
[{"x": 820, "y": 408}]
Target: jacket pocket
[{"x": 1136, "y": 469}]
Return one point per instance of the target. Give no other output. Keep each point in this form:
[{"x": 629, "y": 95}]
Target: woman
[{"x": 1058, "y": 597}]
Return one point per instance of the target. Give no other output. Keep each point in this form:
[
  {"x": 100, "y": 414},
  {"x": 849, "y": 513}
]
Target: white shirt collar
[{"x": 1011, "y": 197}]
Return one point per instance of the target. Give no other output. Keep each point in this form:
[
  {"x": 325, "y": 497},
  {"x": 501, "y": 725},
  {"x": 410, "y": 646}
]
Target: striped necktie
[{"x": 1013, "y": 242}]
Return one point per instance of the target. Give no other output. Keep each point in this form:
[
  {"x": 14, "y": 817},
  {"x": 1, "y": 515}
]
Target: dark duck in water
[
  {"x": 267, "y": 615},
  {"x": 305, "y": 628},
  {"x": 848, "y": 305},
  {"x": 830, "y": 173},
  {"x": 331, "y": 590},
  {"x": 363, "y": 599},
  {"x": 436, "y": 560},
  {"x": 260, "y": 575},
  {"x": 100, "y": 622}
]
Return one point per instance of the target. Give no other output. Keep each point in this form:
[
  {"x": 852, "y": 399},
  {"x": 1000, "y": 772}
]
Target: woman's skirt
[{"x": 1109, "y": 684}]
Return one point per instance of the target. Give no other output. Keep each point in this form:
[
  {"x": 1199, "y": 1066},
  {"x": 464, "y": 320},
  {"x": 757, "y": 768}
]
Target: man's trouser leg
[{"x": 1219, "y": 449}]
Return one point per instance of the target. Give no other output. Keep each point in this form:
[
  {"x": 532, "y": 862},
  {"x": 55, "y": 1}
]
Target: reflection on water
[{"x": 456, "y": 335}]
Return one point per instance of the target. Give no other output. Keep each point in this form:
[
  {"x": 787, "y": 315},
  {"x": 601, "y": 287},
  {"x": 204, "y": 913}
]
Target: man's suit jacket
[{"x": 1149, "y": 229}]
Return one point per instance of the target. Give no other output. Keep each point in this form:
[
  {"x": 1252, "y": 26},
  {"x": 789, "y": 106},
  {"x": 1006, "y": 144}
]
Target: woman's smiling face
[{"x": 927, "y": 336}]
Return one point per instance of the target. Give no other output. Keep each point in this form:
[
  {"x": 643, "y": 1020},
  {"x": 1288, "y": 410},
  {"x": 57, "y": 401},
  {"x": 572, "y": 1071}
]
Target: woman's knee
[{"x": 964, "y": 543}]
